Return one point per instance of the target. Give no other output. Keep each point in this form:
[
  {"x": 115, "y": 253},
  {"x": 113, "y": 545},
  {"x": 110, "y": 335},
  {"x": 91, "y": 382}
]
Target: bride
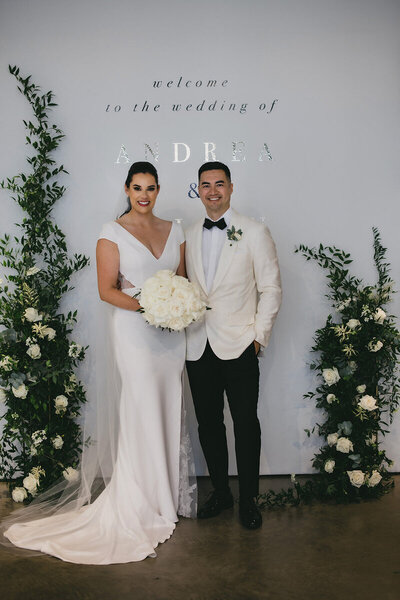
[{"x": 136, "y": 473}]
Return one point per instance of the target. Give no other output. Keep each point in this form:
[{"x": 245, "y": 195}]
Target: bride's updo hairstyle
[{"x": 139, "y": 167}]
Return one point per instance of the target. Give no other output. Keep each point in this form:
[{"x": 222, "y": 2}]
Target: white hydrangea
[
  {"x": 361, "y": 388},
  {"x": 74, "y": 350},
  {"x": 331, "y": 398},
  {"x": 7, "y": 363},
  {"x": 38, "y": 437},
  {"x": 353, "y": 324}
]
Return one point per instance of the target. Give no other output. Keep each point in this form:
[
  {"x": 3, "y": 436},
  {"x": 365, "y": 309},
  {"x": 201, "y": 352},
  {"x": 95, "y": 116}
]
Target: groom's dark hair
[{"x": 212, "y": 166}]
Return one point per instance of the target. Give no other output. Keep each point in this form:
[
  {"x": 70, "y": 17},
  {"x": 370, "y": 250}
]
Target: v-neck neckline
[{"x": 144, "y": 245}]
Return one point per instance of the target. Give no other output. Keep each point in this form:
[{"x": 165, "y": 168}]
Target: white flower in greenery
[
  {"x": 3, "y": 395},
  {"x": 7, "y": 363},
  {"x": 372, "y": 439},
  {"x": 329, "y": 466},
  {"x": 332, "y": 439},
  {"x": 375, "y": 345},
  {"x": 71, "y": 474},
  {"x": 374, "y": 479},
  {"x": 32, "y": 315},
  {"x": 331, "y": 376},
  {"x": 20, "y": 392},
  {"x": 32, "y": 271},
  {"x": 57, "y": 442},
  {"x": 1, "y": 281},
  {"x": 37, "y": 472},
  {"x": 353, "y": 324},
  {"x": 357, "y": 478},
  {"x": 50, "y": 333},
  {"x": 368, "y": 403},
  {"x": 331, "y": 398},
  {"x": 353, "y": 366},
  {"x": 343, "y": 304},
  {"x": 30, "y": 483},
  {"x": 33, "y": 450},
  {"x": 344, "y": 445},
  {"x": 379, "y": 316},
  {"x": 361, "y": 388},
  {"x": 60, "y": 403},
  {"x": 38, "y": 437},
  {"x": 34, "y": 351},
  {"x": 74, "y": 350},
  {"x": 19, "y": 494}
]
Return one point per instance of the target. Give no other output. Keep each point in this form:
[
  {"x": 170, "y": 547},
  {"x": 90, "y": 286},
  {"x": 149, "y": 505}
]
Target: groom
[{"x": 233, "y": 260}]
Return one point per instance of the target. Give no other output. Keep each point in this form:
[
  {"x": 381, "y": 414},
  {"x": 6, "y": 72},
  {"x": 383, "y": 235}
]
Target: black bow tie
[{"x": 208, "y": 224}]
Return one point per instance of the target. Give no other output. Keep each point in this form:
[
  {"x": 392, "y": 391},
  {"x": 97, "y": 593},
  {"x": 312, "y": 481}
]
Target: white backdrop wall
[{"x": 320, "y": 164}]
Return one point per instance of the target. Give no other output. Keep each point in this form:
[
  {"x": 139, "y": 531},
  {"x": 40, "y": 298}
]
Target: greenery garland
[
  {"x": 357, "y": 361},
  {"x": 41, "y": 440}
]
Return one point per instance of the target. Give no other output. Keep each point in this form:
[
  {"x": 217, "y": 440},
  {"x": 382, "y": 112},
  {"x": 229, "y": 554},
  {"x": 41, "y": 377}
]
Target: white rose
[
  {"x": 356, "y": 477},
  {"x": 50, "y": 332},
  {"x": 331, "y": 376},
  {"x": 61, "y": 402},
  {"x": 375, "y": 346},
  {"x": 353, "y": 323},
  {"x": 20, "y": 392},
  {"x": 3, "y": 395},
  {"x": 330, "y": 398},
  {"x": 34, "y": 351},
  {"x": 30, "y": 483},
  {"x": 57, "y": 442},
  {"x": 368, "y": 403},
  {"x": 176, "y": 308},
  {"x": 176, "y": 324},
  {"x": 32, "y": 315},
  {"x": 332, "y": 439},
  {"x": 344, "y": 445},
  {"x": 379, "y": 316},
  {"x": 32, "y": 271},
  {"x": 19, "y": 494},
  {"x": 361, "y": 388},
  {"x": 70, "y": 474},
  {"x": 374, "y": 479},
  {"x": 329, "y": 466}
]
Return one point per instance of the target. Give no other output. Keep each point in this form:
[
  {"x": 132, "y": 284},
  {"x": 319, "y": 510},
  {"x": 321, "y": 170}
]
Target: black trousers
[{"x": 209, "y": 377}]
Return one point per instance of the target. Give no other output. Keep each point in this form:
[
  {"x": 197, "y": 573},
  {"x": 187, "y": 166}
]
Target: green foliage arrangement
[
  {"x": 357, "y": 360},
  {"x": 39, "y": 391}
]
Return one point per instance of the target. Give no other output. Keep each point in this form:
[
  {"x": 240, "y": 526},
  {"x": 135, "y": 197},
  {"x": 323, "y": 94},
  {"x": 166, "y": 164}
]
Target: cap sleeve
[
  {"x": 108, "y": 233},
  {"x": 180, "y": 236}
]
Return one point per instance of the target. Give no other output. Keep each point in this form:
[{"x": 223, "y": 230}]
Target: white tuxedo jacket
[{"x": 245, "y": 295}]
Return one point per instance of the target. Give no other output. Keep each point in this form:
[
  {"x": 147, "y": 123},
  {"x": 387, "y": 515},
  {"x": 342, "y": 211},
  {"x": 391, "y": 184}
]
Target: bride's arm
[
  {"x": 107, "y": 257},
  {"x": 181, "y": 270}
]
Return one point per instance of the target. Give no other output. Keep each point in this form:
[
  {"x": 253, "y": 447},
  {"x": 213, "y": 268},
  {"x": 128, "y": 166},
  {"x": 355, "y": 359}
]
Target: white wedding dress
[{"x": 138, "y": 508}]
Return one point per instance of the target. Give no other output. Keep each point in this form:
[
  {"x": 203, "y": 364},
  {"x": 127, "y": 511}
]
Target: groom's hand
[{"x": 256, "y": 346}]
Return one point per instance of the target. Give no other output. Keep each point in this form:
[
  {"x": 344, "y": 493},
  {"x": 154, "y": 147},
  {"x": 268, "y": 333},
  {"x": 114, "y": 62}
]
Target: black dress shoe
[
  {"x": 250, "y": 516},
  {"x": 214, "y": 505}
]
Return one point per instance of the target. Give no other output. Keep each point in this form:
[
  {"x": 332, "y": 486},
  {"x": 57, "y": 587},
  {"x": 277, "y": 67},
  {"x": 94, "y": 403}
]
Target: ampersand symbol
[{"x": 193, "y": 193}]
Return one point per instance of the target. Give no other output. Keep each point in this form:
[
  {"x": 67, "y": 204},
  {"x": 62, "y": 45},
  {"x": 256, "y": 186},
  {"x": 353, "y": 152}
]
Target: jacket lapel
[{"x": 227, "y": 253}]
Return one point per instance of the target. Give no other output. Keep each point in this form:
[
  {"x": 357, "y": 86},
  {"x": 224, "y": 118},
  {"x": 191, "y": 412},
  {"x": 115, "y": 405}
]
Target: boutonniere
[{"x": 234, "y": 235}]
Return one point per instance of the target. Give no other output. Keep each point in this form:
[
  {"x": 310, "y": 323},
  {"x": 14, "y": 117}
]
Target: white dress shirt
[{"x": 213, "y": 241}]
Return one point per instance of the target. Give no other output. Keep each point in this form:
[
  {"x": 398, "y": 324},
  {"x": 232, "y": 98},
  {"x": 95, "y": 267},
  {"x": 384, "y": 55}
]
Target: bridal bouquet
[{"x": 170, "y": 301}]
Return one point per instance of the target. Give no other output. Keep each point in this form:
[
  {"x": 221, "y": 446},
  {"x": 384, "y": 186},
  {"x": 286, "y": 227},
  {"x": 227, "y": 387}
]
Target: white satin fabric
[{"x": 150, "y": 481}]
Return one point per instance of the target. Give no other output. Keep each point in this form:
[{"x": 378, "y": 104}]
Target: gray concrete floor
[{"x": 319, "y": 552}]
